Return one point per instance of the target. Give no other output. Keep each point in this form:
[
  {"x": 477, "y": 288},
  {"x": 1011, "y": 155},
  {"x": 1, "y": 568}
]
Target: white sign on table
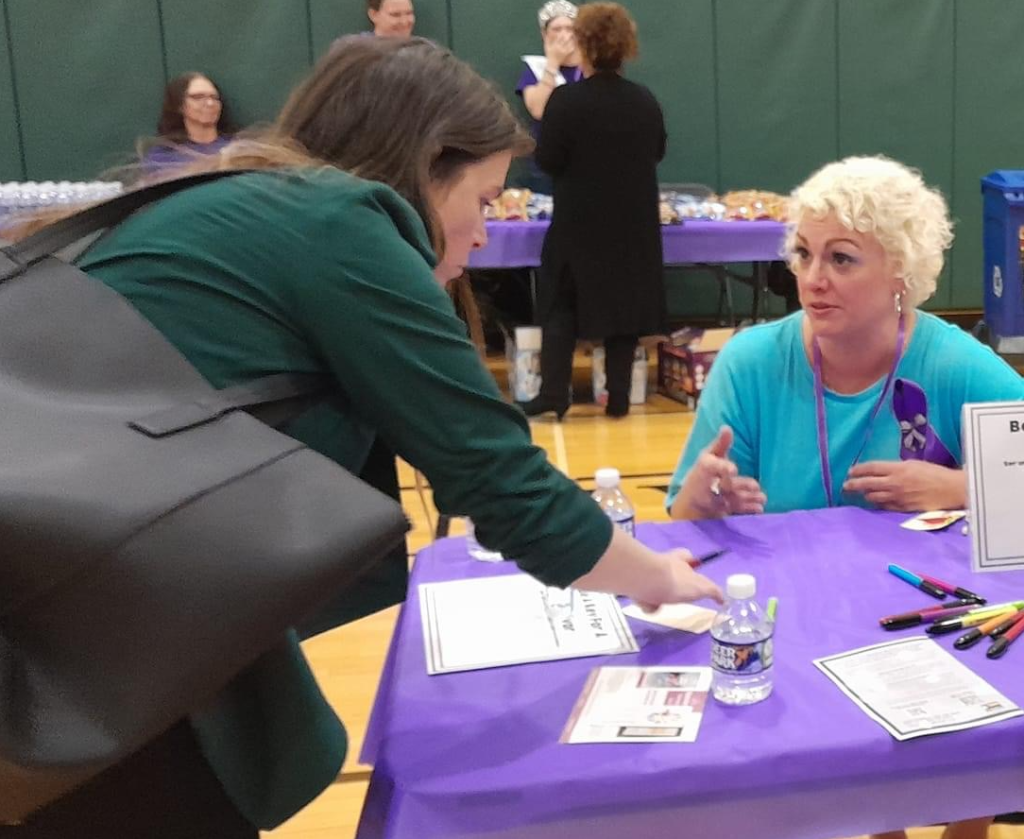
[
  {"x": 513, "y": 619},
  {"x": 993, "y": 435}
]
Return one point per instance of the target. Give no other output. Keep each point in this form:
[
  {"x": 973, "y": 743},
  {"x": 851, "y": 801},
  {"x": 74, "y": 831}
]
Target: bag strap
[
  {"x": 18, "y": 258},
  {"x": 269, "y": 389},
  {"x": 15, "y": 259}
]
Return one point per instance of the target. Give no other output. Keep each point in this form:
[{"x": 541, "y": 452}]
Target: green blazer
[{"x": 320, "y": 272}]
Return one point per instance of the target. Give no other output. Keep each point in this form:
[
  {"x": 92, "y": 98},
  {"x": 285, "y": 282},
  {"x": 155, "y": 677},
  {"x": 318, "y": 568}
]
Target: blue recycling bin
[{"x": 1003, "y": 206}]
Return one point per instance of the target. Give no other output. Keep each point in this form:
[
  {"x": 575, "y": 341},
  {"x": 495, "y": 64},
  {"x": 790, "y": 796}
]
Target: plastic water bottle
[
  {"x": 612, "y": 500},
  {"x": 741, "y": 645},
  {"x": 476, "y": 550}
]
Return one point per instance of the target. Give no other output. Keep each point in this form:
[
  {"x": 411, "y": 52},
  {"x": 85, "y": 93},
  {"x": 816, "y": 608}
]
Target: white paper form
[
  {"x": 496, "y": 621},
  {"x": 913, "y": 687},
  {"x": 682, "y": 616},
  {"x": 640, "y": 705}
]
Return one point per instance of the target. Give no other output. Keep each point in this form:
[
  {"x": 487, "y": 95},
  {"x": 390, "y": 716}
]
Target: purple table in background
[
  {"x": 476, "y": 754},
  {"x": 517, "y": 244}
]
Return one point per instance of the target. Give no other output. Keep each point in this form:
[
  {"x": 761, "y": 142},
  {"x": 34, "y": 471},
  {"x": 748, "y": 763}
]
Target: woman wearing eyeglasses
[{"x": 193, "y": 121}]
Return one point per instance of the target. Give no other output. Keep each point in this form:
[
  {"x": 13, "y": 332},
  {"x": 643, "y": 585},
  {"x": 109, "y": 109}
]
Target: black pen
[
  {"x": 1003, "y": 641},
  {"x": 996, "y": 624},
  {"x": 694, "y": 561}
]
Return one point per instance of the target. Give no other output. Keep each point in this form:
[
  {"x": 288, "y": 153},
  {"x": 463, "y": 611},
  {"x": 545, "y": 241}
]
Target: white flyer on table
[
  {"x": 993, "y": 435},
  {"x": 913, "y": 687},
  {"x": 639, "y": 705},
  {"x": 682, "y": 616},
  {"x": 513, "y": 619}
]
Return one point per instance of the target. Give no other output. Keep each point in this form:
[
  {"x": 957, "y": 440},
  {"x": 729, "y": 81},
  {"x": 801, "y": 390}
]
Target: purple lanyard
[{"x": 819, "y": 398}]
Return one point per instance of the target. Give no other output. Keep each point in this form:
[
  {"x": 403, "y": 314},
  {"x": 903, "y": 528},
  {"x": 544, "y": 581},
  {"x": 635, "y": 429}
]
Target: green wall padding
[
  {"x": 10, "y": 144},
  {"x": 896, "y": 89},
  {"x": 89, "y": 77},
  {"x": 267, "y": 53},
  {"x": 988, "y": 126},
  {"x": 756, "y": 93},
  {"x": 776, "y": 91},
  {"x": 677, "y": 62}
]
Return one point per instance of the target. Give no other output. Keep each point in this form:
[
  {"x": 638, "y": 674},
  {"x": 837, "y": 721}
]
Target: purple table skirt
[
  {"x": 515, "y": 244},
  {"x": 476, "y": 754}
]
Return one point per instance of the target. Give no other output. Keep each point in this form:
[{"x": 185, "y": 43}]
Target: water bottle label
[
  {"x": 629, "y": 525},
  {"x": 741, "y": 659}
]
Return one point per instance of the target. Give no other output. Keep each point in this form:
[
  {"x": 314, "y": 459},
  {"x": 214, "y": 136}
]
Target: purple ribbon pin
[{"x": 918, "y": 440}]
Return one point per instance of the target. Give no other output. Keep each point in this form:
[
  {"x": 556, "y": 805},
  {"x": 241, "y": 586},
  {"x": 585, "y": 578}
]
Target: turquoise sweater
[{"x": 762, "y": 385}]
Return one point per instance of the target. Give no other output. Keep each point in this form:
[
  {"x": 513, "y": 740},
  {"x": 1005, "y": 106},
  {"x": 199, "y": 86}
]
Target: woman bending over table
[{"x": 330, "y": 260}]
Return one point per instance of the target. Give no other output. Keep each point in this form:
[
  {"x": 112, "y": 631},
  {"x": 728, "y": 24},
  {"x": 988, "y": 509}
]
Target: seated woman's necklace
[{"x": 819, "y": 404}]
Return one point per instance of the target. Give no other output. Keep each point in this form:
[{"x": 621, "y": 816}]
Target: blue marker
[{"x": 917, "y": 582}]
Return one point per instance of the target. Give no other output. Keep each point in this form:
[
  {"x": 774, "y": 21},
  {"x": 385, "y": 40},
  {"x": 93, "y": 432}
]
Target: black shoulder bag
[{"x": 154, "y": 538}]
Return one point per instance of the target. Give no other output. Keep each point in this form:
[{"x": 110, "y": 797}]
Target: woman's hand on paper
[{"x": 683, "y": 584}]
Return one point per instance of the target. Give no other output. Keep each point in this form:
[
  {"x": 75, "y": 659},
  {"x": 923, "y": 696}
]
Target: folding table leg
[
  {"x": 724, "y": 293},
  {"x": 760, "y": 278},
  {"x": 443, "y": 525},
  {"x": 533, "y": 295}
]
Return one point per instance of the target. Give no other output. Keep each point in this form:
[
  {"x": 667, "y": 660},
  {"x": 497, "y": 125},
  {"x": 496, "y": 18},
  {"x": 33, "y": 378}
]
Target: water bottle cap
[
  {"x": 607, "y": 478},
  {"x": 740, "y": 586}
]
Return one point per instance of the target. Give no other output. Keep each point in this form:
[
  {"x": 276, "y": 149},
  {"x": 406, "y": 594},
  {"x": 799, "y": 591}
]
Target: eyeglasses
[{"x": 200, "y": 97}]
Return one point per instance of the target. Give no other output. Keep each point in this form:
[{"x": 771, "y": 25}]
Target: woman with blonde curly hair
[{"x": 856, "y": 398}]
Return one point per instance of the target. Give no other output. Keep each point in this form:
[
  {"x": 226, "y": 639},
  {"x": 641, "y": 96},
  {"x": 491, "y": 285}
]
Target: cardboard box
[
  {"x": 637, "y": 381},
  {"x": 684, "y": 362}
]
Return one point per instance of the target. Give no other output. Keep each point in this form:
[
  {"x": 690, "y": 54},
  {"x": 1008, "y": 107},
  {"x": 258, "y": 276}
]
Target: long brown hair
[
  {"x": 171, "y": 125},
  {"x": 407, "y": 113}
]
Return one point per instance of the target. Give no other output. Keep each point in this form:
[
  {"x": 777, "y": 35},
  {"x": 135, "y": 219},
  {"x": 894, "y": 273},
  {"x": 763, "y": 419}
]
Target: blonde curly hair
[{"x": 890, "y": 201}]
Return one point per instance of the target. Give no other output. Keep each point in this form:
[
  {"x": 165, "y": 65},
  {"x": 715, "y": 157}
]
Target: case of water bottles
[{"x": 22, "y": 198}]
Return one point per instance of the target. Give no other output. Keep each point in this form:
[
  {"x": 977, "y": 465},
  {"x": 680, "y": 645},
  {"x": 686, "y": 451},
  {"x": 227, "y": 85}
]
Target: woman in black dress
[{"x": 601, "y": 276}]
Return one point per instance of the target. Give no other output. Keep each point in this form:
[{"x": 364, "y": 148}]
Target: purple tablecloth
[
  {"x": 476, "y": 754},
  {"x": 516, "y": 244}
]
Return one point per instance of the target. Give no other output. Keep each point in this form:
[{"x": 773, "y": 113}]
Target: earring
[{"x": 898, "y": 301}]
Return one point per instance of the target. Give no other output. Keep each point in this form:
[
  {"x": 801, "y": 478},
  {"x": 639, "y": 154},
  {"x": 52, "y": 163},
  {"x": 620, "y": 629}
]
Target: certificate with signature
[{"x": 514, "y": 619}]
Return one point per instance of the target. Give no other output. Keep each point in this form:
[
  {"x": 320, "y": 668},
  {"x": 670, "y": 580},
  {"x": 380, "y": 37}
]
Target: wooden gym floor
[{"x": 347, "y": 661}]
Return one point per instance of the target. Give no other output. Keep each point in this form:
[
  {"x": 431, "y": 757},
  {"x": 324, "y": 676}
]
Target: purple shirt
[
  {"x": 540, "y": 181},
  {"x": 160, "y": 157},
  {"x": 529, "y": 78}
]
